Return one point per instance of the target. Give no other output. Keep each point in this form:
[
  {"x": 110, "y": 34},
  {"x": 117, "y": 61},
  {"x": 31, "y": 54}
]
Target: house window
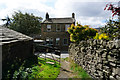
[
  {"x": 66, "y": 27},
  {"x": 57, "y": 41},
  {"x": 48, "y": 27},
  {"x": 58, "y": 28},
  {"x": 49, "y": 41},
  {"x": 65, "y": 41}
]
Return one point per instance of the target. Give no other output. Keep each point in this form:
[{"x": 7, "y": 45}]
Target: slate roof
[
  {"x": 60, "y": 20},
  {"x": 8, "y": 36}
]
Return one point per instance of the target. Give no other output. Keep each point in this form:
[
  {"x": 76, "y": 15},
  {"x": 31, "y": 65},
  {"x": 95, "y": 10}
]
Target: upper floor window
[
  {"x": 58, "y": 28},
  {"x": 48, "y": 27},
  {"x": 66, "y": 27}
]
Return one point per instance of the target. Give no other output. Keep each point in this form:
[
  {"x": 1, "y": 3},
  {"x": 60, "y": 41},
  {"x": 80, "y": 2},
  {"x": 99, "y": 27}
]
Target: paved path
[{"x": 65, "y": 71}]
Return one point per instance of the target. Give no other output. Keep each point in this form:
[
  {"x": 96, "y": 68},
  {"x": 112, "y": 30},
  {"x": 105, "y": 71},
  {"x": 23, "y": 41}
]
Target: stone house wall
[
  {"x": 56, "y": 34},
  {"x": 100, "y": 58}
]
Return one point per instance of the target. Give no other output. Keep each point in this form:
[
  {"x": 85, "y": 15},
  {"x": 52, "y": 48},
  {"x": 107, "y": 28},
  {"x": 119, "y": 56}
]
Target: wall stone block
[{"x": 100, "y": 58}]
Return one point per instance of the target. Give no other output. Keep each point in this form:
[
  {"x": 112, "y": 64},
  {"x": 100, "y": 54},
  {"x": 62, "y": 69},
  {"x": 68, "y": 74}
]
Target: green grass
[
  {"x": 65, "y": 59},
  {"x": 78, "y": 70},
  {"x": 47, "y": 70},
  {"x": 41, "y": 70}
]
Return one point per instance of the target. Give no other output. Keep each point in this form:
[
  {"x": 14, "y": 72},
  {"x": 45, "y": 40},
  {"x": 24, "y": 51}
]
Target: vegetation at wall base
[
  {"x": 81, "y": 73},
  {"x": 10, "y": 66},
  {"x": 40, "y": 70},
  {"x": 78, "y": 71}
]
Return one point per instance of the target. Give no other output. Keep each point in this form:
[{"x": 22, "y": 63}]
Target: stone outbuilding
[{"x": 14, "y": 46}]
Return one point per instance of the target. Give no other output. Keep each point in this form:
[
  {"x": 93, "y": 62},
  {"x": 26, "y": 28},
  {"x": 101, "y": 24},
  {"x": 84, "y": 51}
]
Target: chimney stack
[
  {"x": 47, "y": 16},
  {"x": 73, "y": 15}
]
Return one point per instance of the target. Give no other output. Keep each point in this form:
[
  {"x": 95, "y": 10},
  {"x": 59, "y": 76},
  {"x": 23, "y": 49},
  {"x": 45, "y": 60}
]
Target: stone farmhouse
[{"x": 54, "y": 31}]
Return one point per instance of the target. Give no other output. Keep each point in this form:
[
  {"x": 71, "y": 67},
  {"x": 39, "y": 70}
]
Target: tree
[
  {"x": 112, "y": 29},
  {"x": 26, "y": 23},
  {"x": 8, "y": 20},
  {"x": 115, "y": 10}
]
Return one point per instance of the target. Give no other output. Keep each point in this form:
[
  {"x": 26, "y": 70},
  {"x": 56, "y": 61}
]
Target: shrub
[
  {"x": 79, "y": 32},
  {"x": 101, "y": 36},
  {"x": 112, "y": 29},
  {"x": 40, "y": 70}
]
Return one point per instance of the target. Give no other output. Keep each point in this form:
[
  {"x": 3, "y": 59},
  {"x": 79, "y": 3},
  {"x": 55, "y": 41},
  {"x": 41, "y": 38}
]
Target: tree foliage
[
  {"x": 8, "y": 21},
  {"x": 115, "y": 10},
  {"x": 25, "y": 23},
  {"x": 112, "y": 29}
]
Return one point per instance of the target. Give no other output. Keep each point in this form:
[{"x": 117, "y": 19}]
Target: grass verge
[
  {"x": 42, "y": 70},
  {"x": 78, "y": 70}
]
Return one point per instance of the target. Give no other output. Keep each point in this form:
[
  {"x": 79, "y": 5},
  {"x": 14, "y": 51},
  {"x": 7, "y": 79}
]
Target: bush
[
  {"x": 79, "y": 32},
  {"x": 101, "y": 36},
  {"x": 39, "y": 70},
  {"x": 112, "y": 29}
]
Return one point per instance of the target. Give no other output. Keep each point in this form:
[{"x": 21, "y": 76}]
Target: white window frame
[
  {"x": 66, "y": 26},
  {"x": 48, "y": 27}
]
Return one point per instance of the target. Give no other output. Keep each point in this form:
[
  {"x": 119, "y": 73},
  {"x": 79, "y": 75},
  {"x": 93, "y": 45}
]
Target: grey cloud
[
  {"x": 34, "y": 11},
  {"x": 90, "y": 9}
]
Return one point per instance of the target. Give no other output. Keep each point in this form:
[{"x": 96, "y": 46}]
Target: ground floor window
[
  {"x": 65, "y": 41},
  {"x": 49, "y": 41},
  {"x": 57, "y": 41}
]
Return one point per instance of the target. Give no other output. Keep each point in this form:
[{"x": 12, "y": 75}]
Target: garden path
[{"x": 65, "y": 71}]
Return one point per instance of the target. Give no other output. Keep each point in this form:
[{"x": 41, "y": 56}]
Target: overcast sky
[{"x": 89, "y": 12}]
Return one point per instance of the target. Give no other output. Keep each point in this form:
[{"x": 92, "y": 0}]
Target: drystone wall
[
  {"x": 19, "y": 49},
  {"x": 14, "y": 54},
  {"x": 99, "y": 58}
]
